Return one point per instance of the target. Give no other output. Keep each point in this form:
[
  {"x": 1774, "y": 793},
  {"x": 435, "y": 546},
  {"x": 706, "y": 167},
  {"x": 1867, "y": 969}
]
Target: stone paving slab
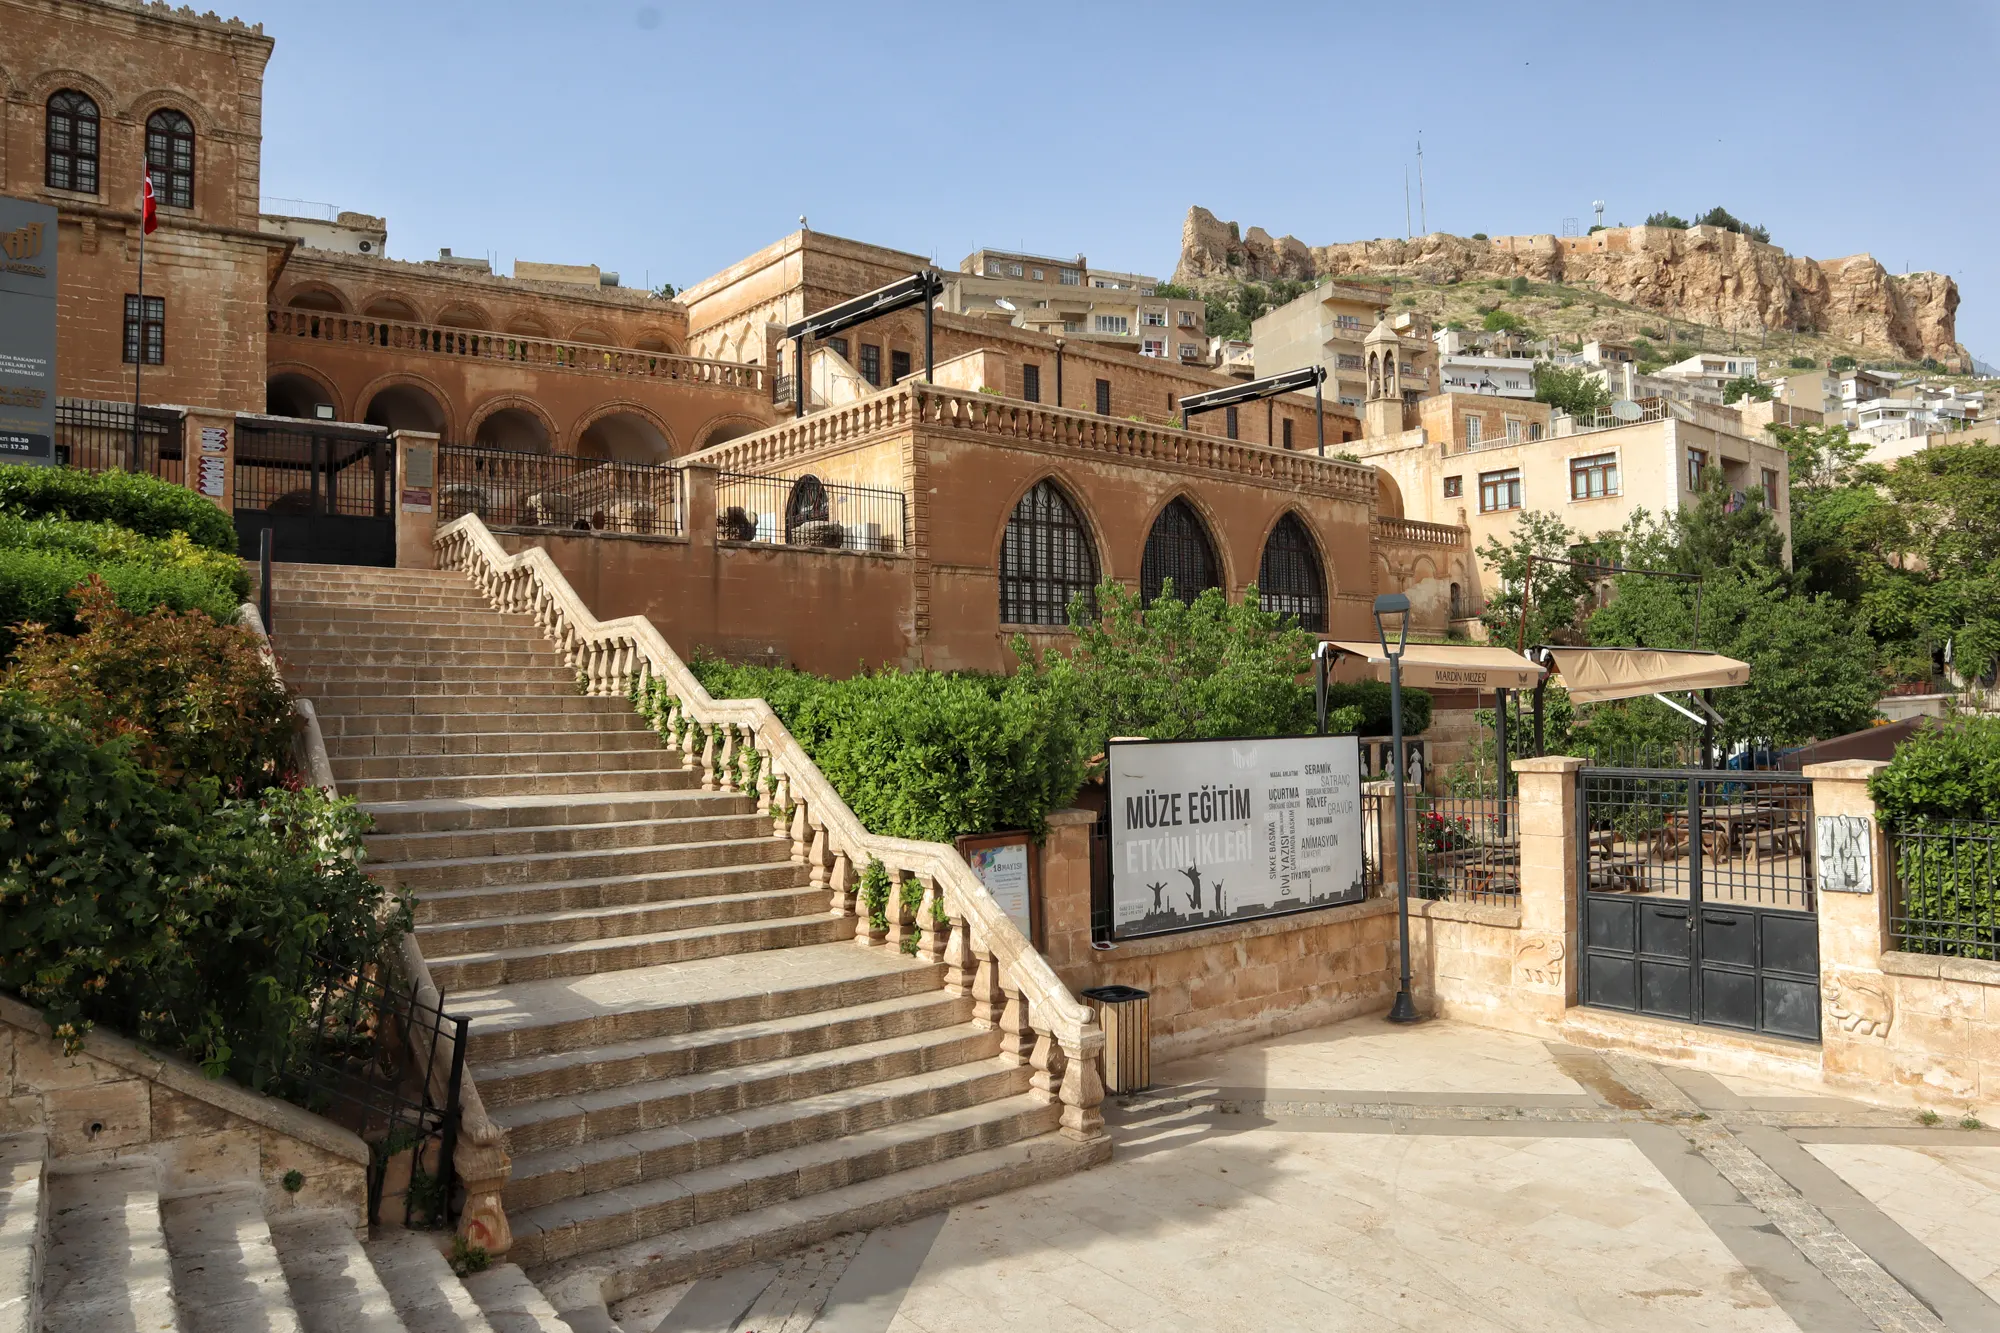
[{"x": 1946, "y": 1197}]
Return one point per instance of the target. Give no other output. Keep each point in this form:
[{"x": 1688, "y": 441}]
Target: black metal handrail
[{"x": 509, "y": 488}]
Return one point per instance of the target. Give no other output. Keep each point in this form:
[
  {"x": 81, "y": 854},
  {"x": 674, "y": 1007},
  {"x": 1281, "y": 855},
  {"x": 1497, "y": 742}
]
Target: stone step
[
  {"x": 594, "y": 780},
  {"x": 621, "y": 1272},
  {"x": 482, "y": 743},
  {"x": 415, "y": 621},
  {"x": 571, "y": 1227},
  {"x": 487, "y": 812},
  {"x": 600, "y": 722},
  {"x": 523, "y": 840},
  {"x": 24, "y": 1207},
  {"x": 428, "y": 599},
  {"x": 317, "y": 569},
  {"x": 427, "y": 1295},
  {"x": 416, "y": 653},
  {"x": 227, "y": 1278},
  {"x": 447, "y": 705},
  {"x": 312, "y": 679},
  {"x": 646, "y": 1155},
  {"x": 596, "y": 759},
  {"x": 565, "y": 1122},
  {"x": 529, "y": 1018},
  {"x": 544, "y": 684},
  {"x": 106, "y": 1266},
  {"x": 437, "y": 907},
  {"x": 335, "y": 1288},
  {"x": 547, "y": 929},
  {"x": 291, "y": 638},
  {"x": 624, "y": 1065},
  {"x": 498, "y": 967},
  {"x": 513, "y": 1304},
  {"x": 472, "y": 872}
]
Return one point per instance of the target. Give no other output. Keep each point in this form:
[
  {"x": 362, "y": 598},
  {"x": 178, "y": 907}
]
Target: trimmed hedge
[
  {"x": 35, "y": 586},
  {"x": 108, "y": 543},
  {"x": 146, "y": 505},
  {"x": 1947, "y": 771}
]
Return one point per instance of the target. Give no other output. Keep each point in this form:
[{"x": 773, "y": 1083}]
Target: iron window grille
[
  {"x": 170, "y": 157},
  {"x": 1289, "y": 579},
  {"x": 1499, "y": 490},
  {"x": 1046, "y": 560},
  {"x": 1104, "y": 398},
  {"x": 1031, "y": 383},
  {"x": 838, "y": 345},
  {"x": 899, "y": 367},
  {"x": 1229, "y": 421},
  {"x": 71, "y": 142},
  {"x": 1288, "y": 432},
  {"x": 1594, "y": 477},
  {"x": 151, "y": 325},
  {"x": 806, "y": 511},
  {"x": 1178, "y": 549},
  {"x": 871, "y": 364}
]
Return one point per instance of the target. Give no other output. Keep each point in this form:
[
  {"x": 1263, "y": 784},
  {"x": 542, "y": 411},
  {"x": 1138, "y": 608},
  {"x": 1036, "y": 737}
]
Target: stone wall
[{"x": 116, "y": 1100}]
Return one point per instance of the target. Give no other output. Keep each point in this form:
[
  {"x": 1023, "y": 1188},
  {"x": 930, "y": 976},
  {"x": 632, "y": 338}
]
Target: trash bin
[{"x": 1128, "y": 1046}]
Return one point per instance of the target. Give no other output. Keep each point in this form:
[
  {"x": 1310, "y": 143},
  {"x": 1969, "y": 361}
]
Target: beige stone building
[
  {"x": 1326, "y": 327},
  {"x": 1069, "y": 298}
]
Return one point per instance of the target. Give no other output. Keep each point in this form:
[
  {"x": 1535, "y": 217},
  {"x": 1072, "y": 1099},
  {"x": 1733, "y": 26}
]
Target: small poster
[
  {"x": 1005, "y": 864},
  {"x": 416, "y": 500},
  {"x": 1208, "y": 832},
  {"x": 215, "y": 439},
  {"x": 214, "y": 477}
]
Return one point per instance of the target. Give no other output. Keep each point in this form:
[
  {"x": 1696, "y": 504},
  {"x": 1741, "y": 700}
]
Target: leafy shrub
[
  {"x": 108, "y": 543},
  {"x": 1665, "y": 219},
  {"x": 180, "y": 918},
  {"x": 1370, "y": 699},
  {"x": 1947, "y": 771},
  {"x": 194, "y": 697},
  {"x": 1518, "y": 287},
  {"x": 1746, "y": 386},
  {"x": 146, "y": 505},
  {"x": 1840, "y": 363},
  {"x": 1942, "y": 790},
  {"x": 1504, "y": 321},
  {"x": 1802, "y": 363},
  {"x": 36, "y": 587}
]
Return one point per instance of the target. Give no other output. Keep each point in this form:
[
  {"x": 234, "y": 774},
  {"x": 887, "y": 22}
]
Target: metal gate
[
  {"x": 1699, "y": 901},
  {"x": 326, "y": 491}
]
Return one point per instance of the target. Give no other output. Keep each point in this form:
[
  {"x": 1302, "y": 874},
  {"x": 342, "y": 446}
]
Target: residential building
[
  {"x": 324, "y": 227},
  {"x": 1501, "y": 364},
  {"x": 1327, "y": 327},
  {"x": 1068, "y": 297},
  {"x": 1711, "y": 370}
]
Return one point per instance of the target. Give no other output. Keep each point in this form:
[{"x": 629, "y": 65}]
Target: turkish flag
[{"x": 148, "y": 210}]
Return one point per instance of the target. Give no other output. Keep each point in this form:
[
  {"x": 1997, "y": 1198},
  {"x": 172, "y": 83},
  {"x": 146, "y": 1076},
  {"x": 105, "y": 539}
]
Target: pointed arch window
[
  {"x": 1046, "y": 558},
  {"x": 1289, "y": 578},
  {"x": 72, "y": 127},
  {"x": 806, "y": 504},
  {"x": 1178, "y": 548},
  {"x": 170, "y": 157}
]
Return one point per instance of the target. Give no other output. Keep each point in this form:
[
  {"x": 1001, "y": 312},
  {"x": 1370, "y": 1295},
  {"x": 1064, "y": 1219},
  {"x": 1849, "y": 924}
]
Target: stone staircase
[
  {"x": 93, "y": 1247},
  {"x": 692, "y": 1061}
]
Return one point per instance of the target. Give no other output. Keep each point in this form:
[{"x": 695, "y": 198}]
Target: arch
[
  {"x": 464, "y": 315},
  {"x": 805, "y": 503},
  {"x": 296, "y": 391},
  {"x": 623, "y": 433},
  {"x": 514, "y": 424},
  {"x": 317, "y": 296},
  {"x": 527, "y": 326},
  {"x": 724, "y": 429},
  {"x": 1457, "y": 601},
  {"x": 406, "y": 404},
  {"x": 1388, "y": 495},
  {"x": 1291, "y": 576},
  {"x": 170, "y": 156},
  {"x": 592, "y": 334},
  {"x": 1178, "y": 549},
  {"x": 72, "y": 127},
  {"x": 652, "y": 340},
  {"x": 1047, "y": 556},
  {"x": 383, "y": 305}
]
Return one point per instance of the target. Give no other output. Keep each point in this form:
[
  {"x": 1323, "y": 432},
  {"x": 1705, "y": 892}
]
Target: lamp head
[{"x": 1392, "y": 611}]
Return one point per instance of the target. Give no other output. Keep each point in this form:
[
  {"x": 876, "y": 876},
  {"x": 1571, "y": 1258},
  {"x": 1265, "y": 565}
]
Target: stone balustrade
[
  {"x": 741, "y": 746},
  {"x": 511, "y": 349},
  {"x": 1414, "y": 532}
]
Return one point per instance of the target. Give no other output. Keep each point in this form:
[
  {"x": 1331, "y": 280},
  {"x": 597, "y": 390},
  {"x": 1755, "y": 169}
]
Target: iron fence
[
  {"x": 522, "y": 490},
  {"x": 1377, "y": 813},
  {"x": 805, "y": 511},
  {"x": 1741, "y": 838},
  {"x": 1466, "y": 849},
  {"x": 96, "y": 436},
  {"x": 294, "y": 467},
  {"x": 1945, "y": 898},
  {"x": 387, "y": 1066}
]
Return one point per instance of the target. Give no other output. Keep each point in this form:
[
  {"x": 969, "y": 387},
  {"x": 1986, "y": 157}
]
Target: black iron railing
[
  {"x": 303, "y": 468},
  {"x": 805, "y": 511},
  {"x": 1946, "y": 893},
  {"x": 1466, "y": 849},
  {"x": 387, "y": 1066},
  {"x": 1741, "y": 838},
  {"x": 96, "y": 436},
  {"x": 523, "y": 490}
]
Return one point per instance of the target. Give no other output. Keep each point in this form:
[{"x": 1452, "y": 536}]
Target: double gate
[
  {"x": 326, "y": 491},
  {"x": 1698, "y": 897}
]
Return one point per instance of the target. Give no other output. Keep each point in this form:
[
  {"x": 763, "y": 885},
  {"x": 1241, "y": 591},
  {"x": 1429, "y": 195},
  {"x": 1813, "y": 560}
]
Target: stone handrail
[
  {"x": 739, "y": 745},
  {"x": 514, "y": 348},
  {"x": 1013, "y": 418},
  {"x": 1419, "y": 532},
  {"x": 480, "y": 1159}
]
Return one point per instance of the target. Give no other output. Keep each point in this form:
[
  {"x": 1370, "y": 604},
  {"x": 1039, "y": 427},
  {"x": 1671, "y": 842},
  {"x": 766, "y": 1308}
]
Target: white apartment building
[{"x": 1068, "y": 297}]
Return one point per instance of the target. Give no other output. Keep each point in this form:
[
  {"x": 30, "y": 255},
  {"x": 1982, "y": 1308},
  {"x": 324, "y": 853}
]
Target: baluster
[
  {"x": 764, "y": 781},
  {"x": 1017, "y": 1034},
  {"x": 801, "y": 833},
  {"x": 749, "y": 760},
  {"x": 989, "y": 1001},
  {"x": 960, "y": 972},
  {"x": 1047, "y": 1062},
  {"x": 686, "y": 742},
  {"x": 841, "y": 885},
  {"x": 901, "y": 927},
  {"x": 729, "y": 756},
  {"x": 816, "y": 858},
  {"x": 932, "y": 934},
  {"x": 866, "y": 931},
  {"x": 1082, "y": 1091},
  {"x": 708, "y": 758},
  {"x": 781, "y": 803}
]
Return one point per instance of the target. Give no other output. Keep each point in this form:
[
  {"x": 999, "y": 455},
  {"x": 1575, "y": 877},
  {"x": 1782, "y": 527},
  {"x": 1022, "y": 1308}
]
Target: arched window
[
  {"x": 1457, "y": 602},
  {"x": 1289, "y": 580},
  {"x": 1178, "y": 548},
  {"x": 806, "y": 504},
  {"x": 72, "y": 143},
  {"x": 1045, "y": 559},
  {"x": 170, "y": 156}
]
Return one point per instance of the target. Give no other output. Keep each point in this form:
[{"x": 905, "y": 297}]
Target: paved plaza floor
[{"x": 1440, "y": 1177}]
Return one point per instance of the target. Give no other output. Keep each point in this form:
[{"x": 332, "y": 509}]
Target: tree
[
  {"x": 1664, "y": 219},
  {"x": 1505, "y": 321},
  {"x": 666, "y": 291},
  {"x": 1746, "y": 386},
  {"x": 1840, "y": 363},
  {"x": 1571, "y": 389},
  {"x": 1558, "y": 594},
  {"x": 1723, "y": 218},
  {"x": 1940, "y": 536},
  {"x": 1802, "y": 363}
]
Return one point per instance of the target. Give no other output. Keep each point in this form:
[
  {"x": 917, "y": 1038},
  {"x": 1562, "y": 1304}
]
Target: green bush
[
  {"x": 194, "y": 696},
  {"x": 1947, "y": 771},
  {"x": 146, "y": 505},
  {"x": 185, "y": 920},
  {"x": 1371, "y": 699},
  {"x": 1942, "y": 793},
  {"x": 35, "y": 587},
  {"x": 108, "y": 543}
]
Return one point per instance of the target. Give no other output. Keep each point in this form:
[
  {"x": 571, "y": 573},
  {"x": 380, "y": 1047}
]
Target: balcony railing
[
  {"x": 1418, "y": 532},
  {"x": 508, "y": 489},
  {"x": 510, "y": 348}
]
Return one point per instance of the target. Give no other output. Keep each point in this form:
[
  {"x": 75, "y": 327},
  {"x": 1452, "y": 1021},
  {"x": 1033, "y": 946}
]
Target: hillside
[{"x": 1727, "y": 288}]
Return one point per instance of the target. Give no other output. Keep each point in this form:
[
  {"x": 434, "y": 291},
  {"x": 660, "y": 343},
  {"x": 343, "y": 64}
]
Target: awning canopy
[
  {"x": 1452, "y": 666},
  {"x": 1595, "y": 675}
]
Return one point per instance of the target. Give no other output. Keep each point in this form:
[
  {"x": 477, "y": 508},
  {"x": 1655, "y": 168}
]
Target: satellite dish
[
  {"x": 1627, "y": 410},
  {"x": 1004, "y": 303}
]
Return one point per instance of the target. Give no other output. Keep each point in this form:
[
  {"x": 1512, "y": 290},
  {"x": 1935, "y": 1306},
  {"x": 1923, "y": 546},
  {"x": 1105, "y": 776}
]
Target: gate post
[
  {"x": 208, "y": 455},
  {"x": 1546, "y": 958},
  {"x": 414, "y": 504},
  {"x": 1852, "y": 886}
]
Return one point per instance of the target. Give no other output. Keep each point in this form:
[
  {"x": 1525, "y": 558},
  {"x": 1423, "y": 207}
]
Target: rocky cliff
[{"x": 1704, "y": 275}]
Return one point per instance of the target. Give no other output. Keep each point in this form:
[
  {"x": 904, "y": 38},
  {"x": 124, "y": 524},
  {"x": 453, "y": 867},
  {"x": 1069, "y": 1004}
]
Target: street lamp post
[{"x": 1393, "y": 610}]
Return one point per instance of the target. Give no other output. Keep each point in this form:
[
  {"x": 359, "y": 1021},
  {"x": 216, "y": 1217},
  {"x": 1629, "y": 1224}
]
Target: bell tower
[{"x": 1383, "y": 415}]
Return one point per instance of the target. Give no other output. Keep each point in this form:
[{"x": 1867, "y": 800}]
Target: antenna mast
[
  {"x": 1406, "y": 203},
  {"x": 1423, "y": 211}
]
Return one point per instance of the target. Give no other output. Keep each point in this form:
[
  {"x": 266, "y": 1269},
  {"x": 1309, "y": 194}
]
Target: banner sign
[
  {"x": 1208, "y": 832},
  {"x": 27, "y": 331},
  {"x": 1005, "y": 864}
]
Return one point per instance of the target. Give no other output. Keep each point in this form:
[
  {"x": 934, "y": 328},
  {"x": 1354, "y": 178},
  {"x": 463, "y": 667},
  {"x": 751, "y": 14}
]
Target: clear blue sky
[{"x": 671, "y": 139}]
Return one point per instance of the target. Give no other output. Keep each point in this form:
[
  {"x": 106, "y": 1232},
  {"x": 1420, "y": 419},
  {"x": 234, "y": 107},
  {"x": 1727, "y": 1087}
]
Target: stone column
[
  {"x": 208, "y": 455},
  {"x": 1543, "y": 981},
  {"x": 416, "y": 498},
  {"x": 1850, "y": 855},
  {"x": 1384, "y": 827},
  {"x": 1063, "y": 914}
]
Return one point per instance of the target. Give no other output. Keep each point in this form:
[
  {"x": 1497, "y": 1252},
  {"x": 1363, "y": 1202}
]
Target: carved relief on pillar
[
  {"x": 1538, "y": 963},
  {"x": 1859, "y": 1004}
]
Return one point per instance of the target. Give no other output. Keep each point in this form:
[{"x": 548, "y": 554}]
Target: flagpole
[{"x": 139, "y": 358}]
